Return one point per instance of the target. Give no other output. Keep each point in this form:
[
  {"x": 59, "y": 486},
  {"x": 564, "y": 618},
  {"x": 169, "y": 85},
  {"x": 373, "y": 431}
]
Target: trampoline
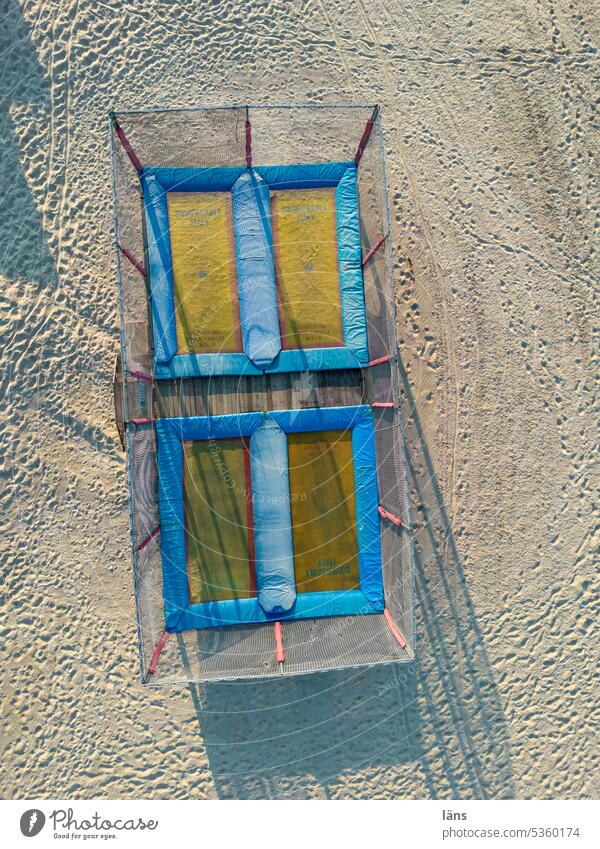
[
  {"x": 255, "y": 270},
  {"x": 268, "y": 516}
]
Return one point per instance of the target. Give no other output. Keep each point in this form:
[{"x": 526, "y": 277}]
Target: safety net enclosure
[{"x": 258, "y": 391}]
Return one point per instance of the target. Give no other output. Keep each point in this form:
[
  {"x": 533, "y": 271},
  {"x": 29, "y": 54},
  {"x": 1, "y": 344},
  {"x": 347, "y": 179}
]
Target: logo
[{"x": 32, "y": 822}]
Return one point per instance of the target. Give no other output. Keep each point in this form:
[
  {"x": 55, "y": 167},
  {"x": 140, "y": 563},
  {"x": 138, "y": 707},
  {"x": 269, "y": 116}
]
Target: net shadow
[{"x": 440, "y": 717}]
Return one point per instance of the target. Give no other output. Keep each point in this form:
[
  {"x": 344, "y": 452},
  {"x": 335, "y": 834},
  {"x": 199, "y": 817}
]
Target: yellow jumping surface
[
  {"x": 204, "y": 279},
  {"x": 305, "y": 242},
  {"x": 216, "y": 517},
  {"x": 323, "y": 511}
]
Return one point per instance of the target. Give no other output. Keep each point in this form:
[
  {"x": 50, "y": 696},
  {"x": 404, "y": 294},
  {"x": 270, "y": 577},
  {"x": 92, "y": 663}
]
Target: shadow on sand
[
  {"x": 432, "y": 729},
  {"x": 24, "y": 252}
]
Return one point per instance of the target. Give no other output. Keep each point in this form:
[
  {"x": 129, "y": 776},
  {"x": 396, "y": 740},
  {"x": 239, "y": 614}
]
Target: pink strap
[
  {"x": 373, "y": 250},
  {"x": 141, "y": 421},
  {"x": 279, "y": 650},
  {"x": 385, "y": 404},
  {"x": 159, "y": 647},
  {"x": 394, "y": 628},
  {"x": 380, "y": 360}
]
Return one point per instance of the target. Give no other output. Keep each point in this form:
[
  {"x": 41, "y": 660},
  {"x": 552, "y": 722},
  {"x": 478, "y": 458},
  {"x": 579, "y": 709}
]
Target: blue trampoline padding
[
  {"x": 255, "y": 266},
  {"x": 179, "y": 613},
  {"x": 195, "y": 179},
  {"x": 172, "y": 523},
  {"x": 314, "y": 176},
  {"x": 159, "y": 262},
  {"x": 309, "y": 359},
  {"x": 273, "y": 546},
  {"x": 156, "y": 182},
  {"x": 219, "y": 614},
  {"x": 302, "y": 176}
]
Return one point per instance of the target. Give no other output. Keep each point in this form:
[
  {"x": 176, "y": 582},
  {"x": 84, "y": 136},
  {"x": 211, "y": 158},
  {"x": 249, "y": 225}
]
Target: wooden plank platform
[{"x": 203, "y": 396}]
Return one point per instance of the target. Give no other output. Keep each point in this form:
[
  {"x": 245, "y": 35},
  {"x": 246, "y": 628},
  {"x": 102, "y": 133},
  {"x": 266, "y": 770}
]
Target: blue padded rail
[
  {"x": 273, "y": 546},
  {"x": 195, "y": 179},
  {"x": 309, "y": 359},
  {"x": 272, "y": 550},
  {"x": 354, "y": 319},
  {"x": 159, "y": 268},
  {"x": 321, "y": 176},
  {"x": 255, "y": 268}
]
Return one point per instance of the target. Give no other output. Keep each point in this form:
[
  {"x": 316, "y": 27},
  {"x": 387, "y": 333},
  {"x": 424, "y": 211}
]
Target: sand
[{"x": 492, "y": 164}]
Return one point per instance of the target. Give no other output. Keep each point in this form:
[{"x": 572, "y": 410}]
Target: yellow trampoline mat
[
  {"x": 323, "y": 511},
  {"x": 204, "y": 279},
  {"x": 306, "y": 263},
  {"x": 216, "y": 518}
]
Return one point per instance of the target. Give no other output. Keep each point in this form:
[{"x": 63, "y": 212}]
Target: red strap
[
  {"x": 147, "y": 540},
  {"x": 364, "y": 139},
  {"x": 128, "y": 148},
  {"x": 136, "y": 263},
  {"x": 365, "y": 136}
]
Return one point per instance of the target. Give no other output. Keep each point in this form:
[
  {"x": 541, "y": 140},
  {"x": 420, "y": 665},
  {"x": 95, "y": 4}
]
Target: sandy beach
[{"x": 492, "y": 168}]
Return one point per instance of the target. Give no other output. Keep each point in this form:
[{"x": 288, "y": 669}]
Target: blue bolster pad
[
  {"x": 273, "y": 546},
  {"x": 159, "y": 260},
  {"x": 255, "y": 268},
  {"x": 350, "y": 264}
]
